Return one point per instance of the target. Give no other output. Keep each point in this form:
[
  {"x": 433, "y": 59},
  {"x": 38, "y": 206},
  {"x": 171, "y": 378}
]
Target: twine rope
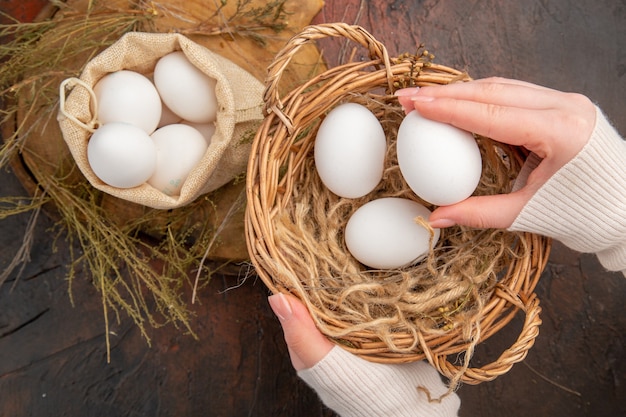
[{"x": 66, "y": 86}]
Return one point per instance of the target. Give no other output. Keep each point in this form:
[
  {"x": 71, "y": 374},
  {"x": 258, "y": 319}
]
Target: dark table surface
[{"x": 53, "y": 355}]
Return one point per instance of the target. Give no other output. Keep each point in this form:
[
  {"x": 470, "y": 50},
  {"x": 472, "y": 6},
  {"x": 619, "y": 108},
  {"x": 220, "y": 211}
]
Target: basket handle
[
  {"x": 311, "y": 33},
  {"x": 516, "y": 353}
]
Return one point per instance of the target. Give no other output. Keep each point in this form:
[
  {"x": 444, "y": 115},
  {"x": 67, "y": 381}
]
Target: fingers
[
  {"x": 499, "y": 108},
  {"x": 509, "y": 111},
  {"x": 497, "y": 211},
  {"x": 545, "y": 121},
  {"x": 512, "y": 125},
  {"x": 404, "y": 98},
  {"x": 501, "y": 91},
  {"x": 306, "y": 344},
  {"x": 498, "y": 91},
  {"x": 512, "y": 81}
]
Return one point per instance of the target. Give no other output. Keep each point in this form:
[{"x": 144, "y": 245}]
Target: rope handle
[
  {"x": 514, "y": 354},
  {"x": 66, "y": 86},
  {"x": 311, "y": 33}
]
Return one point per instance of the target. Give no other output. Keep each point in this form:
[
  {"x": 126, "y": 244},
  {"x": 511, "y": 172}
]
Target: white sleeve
[
  {"x": 355, "y": 387},
  {"x": 583, "y": 205}
]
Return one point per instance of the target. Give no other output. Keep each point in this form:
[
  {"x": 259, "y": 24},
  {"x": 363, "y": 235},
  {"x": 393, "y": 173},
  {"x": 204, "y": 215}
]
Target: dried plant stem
[
  {"x": 236, "y": 206},
  {"x": 110, "y": 253},
  {"x": 22, "y": 256},
  {"x": 245, "y": 21},
  {"x": 550, "y": 381}
]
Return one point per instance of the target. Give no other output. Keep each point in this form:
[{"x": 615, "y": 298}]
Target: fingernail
[
  {"x": 422, "y": 99},
  {"x": 441, "y": 223},
  {"x": 280, "y": 306},
  {"x": 409, "y": 91}
]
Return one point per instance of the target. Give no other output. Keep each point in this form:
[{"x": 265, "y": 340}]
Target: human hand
[
  {"x": 554, "y": 125},
  {"x": 306, "y": 344},
  {"x": 352, "y": 386}
]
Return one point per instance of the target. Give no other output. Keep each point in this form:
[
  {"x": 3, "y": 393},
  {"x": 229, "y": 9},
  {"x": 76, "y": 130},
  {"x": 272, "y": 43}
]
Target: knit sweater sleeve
[
  {"x": 584, "y": 204},
  {"x": 354, "y": 387}
]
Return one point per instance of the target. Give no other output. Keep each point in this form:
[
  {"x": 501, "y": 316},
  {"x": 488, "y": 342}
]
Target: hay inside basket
[{"x": 469, "y": 287}]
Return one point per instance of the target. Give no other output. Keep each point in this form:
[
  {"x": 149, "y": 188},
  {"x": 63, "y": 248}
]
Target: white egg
[
  {"x": 207, "y": 129},
  {"x": 121, "y": 155},
  {"x": 128, "y": 97},
  {"x": 185, "y": 89},
  {"x": 179, "y": 149},
  {"x": 383, "y": 233},
  {"x": 440, "y": 163},
  {"x": 349, "y": 151}
]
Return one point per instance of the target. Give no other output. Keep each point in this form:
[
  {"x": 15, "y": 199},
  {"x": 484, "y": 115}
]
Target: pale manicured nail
[
  {"x": 280, "y": 306},
  {"x": 441, "y": 223},
  {"x": 422, "y": 99},
  {"x": 409, "y": 91}
]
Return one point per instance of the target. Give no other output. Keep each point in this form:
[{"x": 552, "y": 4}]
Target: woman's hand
[
  {"x": 353, "y": 386},
  {"x": 552, "y": 124},
  {"x": 306, "y": 345}
]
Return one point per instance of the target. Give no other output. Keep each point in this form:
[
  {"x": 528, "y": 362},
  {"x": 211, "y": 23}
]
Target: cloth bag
[{"x": 239, "y": 97}]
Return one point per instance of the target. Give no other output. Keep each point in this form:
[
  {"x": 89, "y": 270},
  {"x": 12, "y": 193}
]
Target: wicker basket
[{"x": 296, "y": 248}]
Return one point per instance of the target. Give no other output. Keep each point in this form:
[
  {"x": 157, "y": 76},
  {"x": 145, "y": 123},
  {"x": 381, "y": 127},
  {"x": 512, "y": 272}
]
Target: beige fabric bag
[{"x": 239, "y": 114}]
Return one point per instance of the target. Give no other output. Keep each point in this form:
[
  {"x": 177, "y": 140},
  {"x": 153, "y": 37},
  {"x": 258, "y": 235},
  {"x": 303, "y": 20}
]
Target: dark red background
[{"x": 52, "y": 355}]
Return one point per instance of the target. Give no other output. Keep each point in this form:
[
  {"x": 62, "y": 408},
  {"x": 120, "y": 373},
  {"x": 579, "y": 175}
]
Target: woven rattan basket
[{"x": 294, "y": 225}]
